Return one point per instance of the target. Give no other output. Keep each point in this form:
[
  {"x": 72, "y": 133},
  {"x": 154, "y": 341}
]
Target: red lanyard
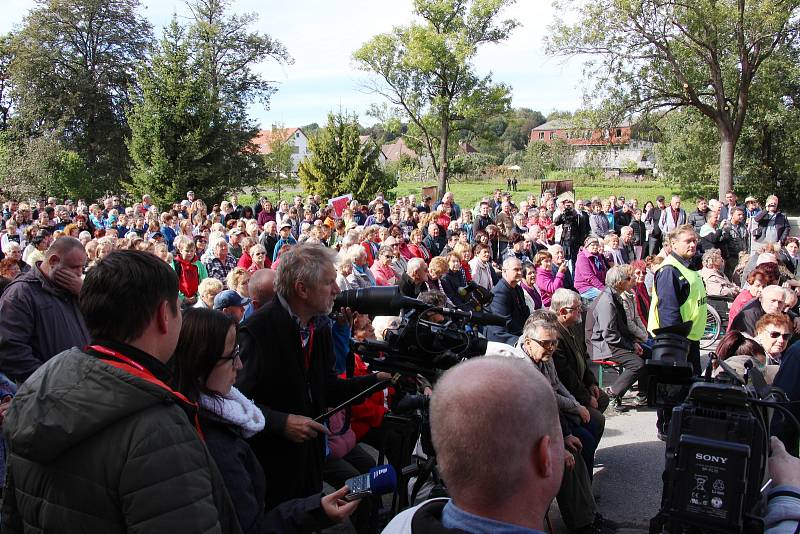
[
  {"x": 309, "y": 346},
  {"x": 136, "y": 369}
]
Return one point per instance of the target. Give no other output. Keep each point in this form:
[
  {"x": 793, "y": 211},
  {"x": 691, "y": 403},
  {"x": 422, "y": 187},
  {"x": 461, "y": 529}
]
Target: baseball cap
[
  {"x": 660, "y": 198},
  {"x": 389, "y": 241},
  {"x": 227, "y": 298},
  {"x": 235, "y": 231},
  {"x": 285, "y": 225},
  {"x": 750, "y": 199}
]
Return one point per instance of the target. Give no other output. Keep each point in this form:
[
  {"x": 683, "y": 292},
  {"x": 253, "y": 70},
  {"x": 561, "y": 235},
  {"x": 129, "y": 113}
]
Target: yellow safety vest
[{"x": 693, "y": 310}]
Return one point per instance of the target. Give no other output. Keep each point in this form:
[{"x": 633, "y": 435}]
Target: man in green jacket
[{"x": 98, "y": 441}]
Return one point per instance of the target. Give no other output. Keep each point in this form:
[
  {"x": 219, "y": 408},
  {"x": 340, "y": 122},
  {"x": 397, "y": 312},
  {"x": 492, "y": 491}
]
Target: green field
[{"x": 470, "y": 192}]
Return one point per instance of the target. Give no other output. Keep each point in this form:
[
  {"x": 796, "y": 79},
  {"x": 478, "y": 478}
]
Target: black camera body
[
  {"x": 716, "y": 463},
  {"x": 717, "y": 443}
]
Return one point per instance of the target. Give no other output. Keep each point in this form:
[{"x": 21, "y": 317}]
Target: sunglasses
[
  {"x": 546, "y": 344},
  {"x": 775, "y": 335},
  {"x": 233, "y": 356}
]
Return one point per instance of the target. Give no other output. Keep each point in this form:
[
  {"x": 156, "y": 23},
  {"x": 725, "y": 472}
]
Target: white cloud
[{"x": 322, "y": 35}]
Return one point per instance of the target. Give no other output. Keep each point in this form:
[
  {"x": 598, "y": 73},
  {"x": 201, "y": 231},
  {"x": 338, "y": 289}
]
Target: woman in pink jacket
[{"x": 546, "y": 281}]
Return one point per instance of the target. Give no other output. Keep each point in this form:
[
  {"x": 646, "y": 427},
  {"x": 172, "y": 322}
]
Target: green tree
[
  {"x": 73, "y": 64},
  {"x": 279, "y": 162},
  {"x": 542, "y": 158},
  {"x": 228, "y": 55},
  {"x": 339, "y": 163},
  {"x": 171, "y": 124},
  {"x": 425, "y": 71},
  {"x": 40, "y": 166},
  {"x": 6, "y": 55},
  {"x": 669, "y": 54}
]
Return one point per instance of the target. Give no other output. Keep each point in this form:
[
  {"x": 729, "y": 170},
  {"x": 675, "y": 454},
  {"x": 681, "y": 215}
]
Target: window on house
[
  {"x": 541, "y": 135},
  {"x": 619, "y": 132},
  {"x": 553, "y": 135},
  {"x": 295, "y": 150},
  {"x": 297, "y": 135}
]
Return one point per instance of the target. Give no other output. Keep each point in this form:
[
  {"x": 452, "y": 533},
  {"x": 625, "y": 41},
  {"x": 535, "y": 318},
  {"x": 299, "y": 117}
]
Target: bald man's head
[
  {"x": 490, "y": 408},
  {"x": 261, "y": 287}
]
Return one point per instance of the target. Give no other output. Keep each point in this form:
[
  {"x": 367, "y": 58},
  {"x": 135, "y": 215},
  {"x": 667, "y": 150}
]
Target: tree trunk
[
  {"x": 726, "y": 149},
  {"x": 443, "y": 163}
]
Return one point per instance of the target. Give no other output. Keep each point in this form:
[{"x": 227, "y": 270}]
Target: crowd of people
[{"x": 181, "y": 326}]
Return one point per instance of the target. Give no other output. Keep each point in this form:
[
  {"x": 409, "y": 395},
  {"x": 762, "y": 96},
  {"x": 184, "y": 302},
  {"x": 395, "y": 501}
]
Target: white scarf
[{"x": 236, "y": 409}]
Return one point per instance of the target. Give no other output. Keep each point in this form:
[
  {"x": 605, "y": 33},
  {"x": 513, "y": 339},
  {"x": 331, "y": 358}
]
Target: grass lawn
[{"x": 468, "y": 193}]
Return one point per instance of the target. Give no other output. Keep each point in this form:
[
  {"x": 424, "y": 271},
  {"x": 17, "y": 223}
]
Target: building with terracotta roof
[{"x": 294, "y": 136}]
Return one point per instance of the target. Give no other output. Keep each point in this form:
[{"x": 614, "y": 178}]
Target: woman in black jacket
[{"x": 206, "y": 362}]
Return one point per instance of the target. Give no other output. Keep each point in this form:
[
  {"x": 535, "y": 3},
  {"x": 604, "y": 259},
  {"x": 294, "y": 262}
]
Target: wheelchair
[{"x": 716, "y": 320}]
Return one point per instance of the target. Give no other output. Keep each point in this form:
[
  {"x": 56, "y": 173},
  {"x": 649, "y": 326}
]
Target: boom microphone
[
  {"x": 387, "y": 300},
  {"x": 379, "y": 481}
]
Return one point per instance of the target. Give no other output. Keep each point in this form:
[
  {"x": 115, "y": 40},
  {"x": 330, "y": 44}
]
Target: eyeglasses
[
  {"x": 546, "y": 344},
  {"x": 235, "y": 355},
  {"x": 774, "y": 335}
]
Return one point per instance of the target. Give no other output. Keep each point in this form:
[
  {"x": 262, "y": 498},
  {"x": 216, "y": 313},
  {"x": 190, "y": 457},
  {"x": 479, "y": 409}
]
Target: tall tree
[
  {"x": 669, "y": 54},
  {"x": 341, "y": 164},
  {"x": 425, "y": 70},
  {"x": 189, "y": 121},
  {"x": 228, "y": 53},
  {"x": 73, "y": 65},
  {"x": 6, "y": 55},
  {"x": 171, "y": 124}
]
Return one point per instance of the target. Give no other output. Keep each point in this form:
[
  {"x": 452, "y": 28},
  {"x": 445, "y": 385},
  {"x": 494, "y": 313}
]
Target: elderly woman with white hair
[
  {"x": 717, "y": 284},
  {"x": 360, "y": 276},
  {"x": 611, "y": 338}
]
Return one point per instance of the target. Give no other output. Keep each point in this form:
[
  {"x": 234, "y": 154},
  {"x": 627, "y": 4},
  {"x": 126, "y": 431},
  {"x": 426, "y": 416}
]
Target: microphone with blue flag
[{"x": 380, "y": 480}]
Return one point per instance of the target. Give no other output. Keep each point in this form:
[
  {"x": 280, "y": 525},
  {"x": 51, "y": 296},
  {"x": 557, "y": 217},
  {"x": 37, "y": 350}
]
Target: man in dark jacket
[
  {"x": 99, "y": 425},
  {"x": 651, "y": 220},
  {"x": 288, "y": 358},
  {"x": 571, "y": 235},
  {"x": 735, "y": 239},
  {"x": 771, "y": 300},
  {"x": 570, "y": 358},
  {"x": 436, "y": 240},
  {"x": 698, "y": 217},
  {"x": 412, "y": 283},
  {"x": 484, "y": 218},
  {"x": 508, "y": 301},
  {"x": 770, "y": 226},
  {"x": 39, "y": 315}
]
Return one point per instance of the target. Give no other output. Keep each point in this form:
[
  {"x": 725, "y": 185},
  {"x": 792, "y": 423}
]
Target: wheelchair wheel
[{"x": 713, "y": 328}]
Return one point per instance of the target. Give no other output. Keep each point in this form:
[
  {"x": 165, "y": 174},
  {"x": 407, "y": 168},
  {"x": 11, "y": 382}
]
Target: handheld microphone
[{"x": 379, "y": 481}]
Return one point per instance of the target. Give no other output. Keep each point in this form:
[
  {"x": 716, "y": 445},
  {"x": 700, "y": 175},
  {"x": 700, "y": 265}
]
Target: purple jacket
[
  {"x": 587, "y": 273},
  {"x": 547, "y": 283}
]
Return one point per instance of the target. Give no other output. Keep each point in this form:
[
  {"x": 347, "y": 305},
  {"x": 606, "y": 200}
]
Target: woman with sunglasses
[
  {"x": 773, "y": 332},
  {"x": 206, "y": 362}
]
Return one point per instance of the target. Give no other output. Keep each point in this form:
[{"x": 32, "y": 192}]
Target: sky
[{"x": 321, "y": 36}]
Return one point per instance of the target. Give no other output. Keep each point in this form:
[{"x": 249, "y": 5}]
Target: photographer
[
  {"x": 572, "y": 231},
  {"x": 288, "y": 359}
]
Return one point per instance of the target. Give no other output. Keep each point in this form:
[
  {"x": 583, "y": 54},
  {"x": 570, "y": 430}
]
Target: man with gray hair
[
  {"x": 771, "y": 300},
  {"x": 626, "y": 244},
  {"x": 570, "y": 358},
  {"x": 412, "y": 283},
  {"x": 470, "y": 428},
  {"x": 508, "y": 301},
  {"x": 288, "y": 370}
]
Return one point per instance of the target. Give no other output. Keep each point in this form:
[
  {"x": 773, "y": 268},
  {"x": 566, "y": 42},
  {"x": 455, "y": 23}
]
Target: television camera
[{"x": 717, "y": 443}]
